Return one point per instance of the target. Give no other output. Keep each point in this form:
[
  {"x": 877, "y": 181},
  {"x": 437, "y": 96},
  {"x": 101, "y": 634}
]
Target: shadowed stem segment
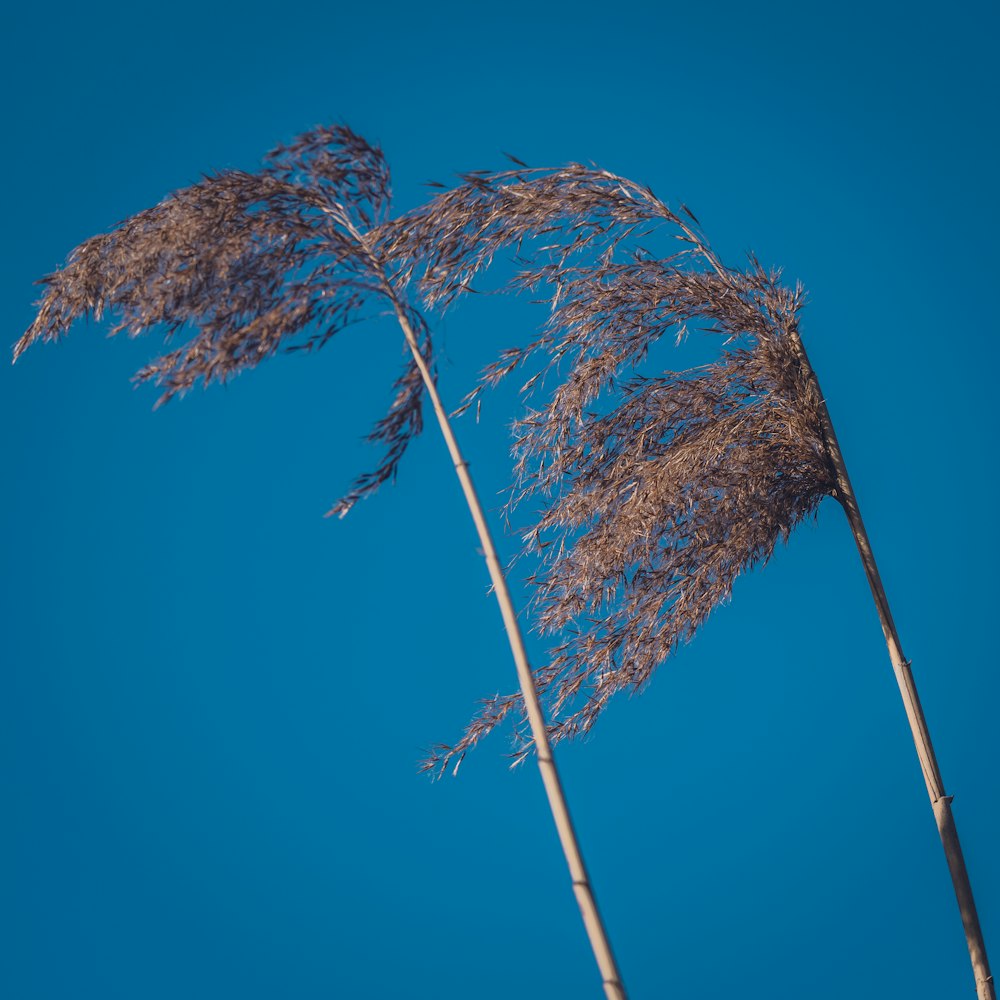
[
  {"x": 940, "y": 802},
  {"x": 614, "y": 989}
]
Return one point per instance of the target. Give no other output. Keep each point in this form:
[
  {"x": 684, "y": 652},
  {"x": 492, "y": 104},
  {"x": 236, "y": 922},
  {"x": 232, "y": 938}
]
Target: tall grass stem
[
  {"x": 940, "y": 801},
  {"x": 614, "y": 989}
]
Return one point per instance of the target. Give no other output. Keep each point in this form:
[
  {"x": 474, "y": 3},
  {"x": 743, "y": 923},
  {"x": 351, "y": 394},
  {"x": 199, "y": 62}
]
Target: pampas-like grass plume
[
  {"x": 250, "y": 263},
  {"x": 655, "y": 492}
]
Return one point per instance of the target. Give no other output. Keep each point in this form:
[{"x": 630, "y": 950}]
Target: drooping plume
[
  {"x": 653, "y": 493},
  {"x": 245, "y": 264}
]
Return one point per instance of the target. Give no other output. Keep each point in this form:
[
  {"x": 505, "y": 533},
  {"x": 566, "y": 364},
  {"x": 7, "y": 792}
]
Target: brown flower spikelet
[
  {"x": 655, "y": 493},
  {"x": 250, "y": 262}
]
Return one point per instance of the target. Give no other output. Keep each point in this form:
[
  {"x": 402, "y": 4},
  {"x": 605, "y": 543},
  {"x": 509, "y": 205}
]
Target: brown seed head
[
  {"x": 248, "y": 263},
  {"x": 652, "y": 493}
]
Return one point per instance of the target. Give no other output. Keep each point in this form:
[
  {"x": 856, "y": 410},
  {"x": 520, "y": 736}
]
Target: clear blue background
[{"x": 214, "y": 700}]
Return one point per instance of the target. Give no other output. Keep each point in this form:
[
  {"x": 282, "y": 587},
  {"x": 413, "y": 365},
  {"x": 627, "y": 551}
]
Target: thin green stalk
[{"x": 940, "y": 801}]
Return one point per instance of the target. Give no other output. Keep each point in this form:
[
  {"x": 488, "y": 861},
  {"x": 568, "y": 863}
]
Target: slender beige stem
[
  {"x": 614, "y": 989},
  {"x": 940, "y": 802},
  {"x": 613, "y": 986}
]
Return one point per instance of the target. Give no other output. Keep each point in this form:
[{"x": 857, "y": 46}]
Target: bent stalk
[
  {"x": 247, "y": 262},
  {"x": 614, "y": 989},
  {"x": 940, "y": 802}
]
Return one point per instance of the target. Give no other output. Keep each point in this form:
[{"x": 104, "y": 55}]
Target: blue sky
[{"x": 215, "y": 700}]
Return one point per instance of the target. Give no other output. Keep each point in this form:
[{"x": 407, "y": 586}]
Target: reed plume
[
  {"x": 248, "y": 263},
  {"x": 653, "y": 493}
]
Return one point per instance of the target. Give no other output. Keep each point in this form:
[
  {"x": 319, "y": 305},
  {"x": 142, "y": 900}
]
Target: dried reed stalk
[
  {"x": 940, "y": 801},
  {"x": 253, "y": 261},
  {"x": 655, "y": 492},
  {"x": 597, "y": 934}
]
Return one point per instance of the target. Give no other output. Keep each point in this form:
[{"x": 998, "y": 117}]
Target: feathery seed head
[
  {"x": 651, "y": 493},
  {"x": 249, "y": 263}
]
